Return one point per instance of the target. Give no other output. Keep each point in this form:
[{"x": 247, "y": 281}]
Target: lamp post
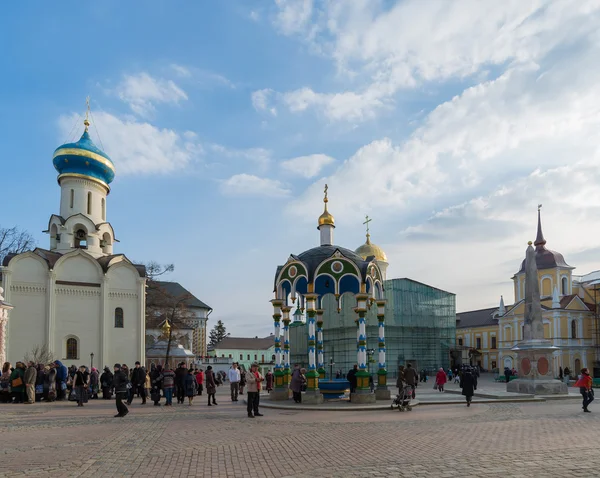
[
  {"x": 91, "y": 361},
  {"x": 370, "y": 353}
]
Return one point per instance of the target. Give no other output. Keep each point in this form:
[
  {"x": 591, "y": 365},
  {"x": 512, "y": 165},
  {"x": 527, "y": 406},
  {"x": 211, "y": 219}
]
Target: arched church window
[
  {"x": 103, "y": 209},
  {"x": 72, "y": 199},
  {"x": 89, "y": 203},
  {"x": 573, "y": 329},
  {"x": 72, "y": 349},
  {"x": 119, "y": 318},
  {"x": 565, "y": 284}
]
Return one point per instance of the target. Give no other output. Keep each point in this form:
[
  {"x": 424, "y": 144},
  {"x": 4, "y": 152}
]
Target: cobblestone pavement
[{"x": 487, "y": 440}]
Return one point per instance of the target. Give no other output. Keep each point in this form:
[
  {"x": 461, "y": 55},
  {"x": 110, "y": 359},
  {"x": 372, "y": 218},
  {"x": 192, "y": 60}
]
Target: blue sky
[{"x": 446, "y": 122}]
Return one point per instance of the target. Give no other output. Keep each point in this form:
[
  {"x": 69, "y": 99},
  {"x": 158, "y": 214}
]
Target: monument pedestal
[
  {"x": 360, "y": 398},
  {"x": 535, "y": 369},
  {"x": 383, "y": 393},
  {"x": 279, "y": 394},
  {"x": 312, "y": 397}
]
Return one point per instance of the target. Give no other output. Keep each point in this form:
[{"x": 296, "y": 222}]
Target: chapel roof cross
[{"x": 367, "y": 221}]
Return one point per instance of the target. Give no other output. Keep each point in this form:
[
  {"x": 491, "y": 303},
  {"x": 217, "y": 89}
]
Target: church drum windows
[
  {"x": 89, "y": 203},
  {"x": 103, "y": 204},
  {"x": 573, "y": 329},
  {"x": 565, "y": 285},
  {"x": 119, "y": 318},
  {"x": 72, "y": 198},
  {"x": 72, "y": 349}
]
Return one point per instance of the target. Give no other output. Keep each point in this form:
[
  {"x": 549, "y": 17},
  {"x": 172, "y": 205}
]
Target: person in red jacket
[
  {"x": 585, "y": 387},
  {"x": 200, "y": 381},
  {"x": 440, "y": 380}
]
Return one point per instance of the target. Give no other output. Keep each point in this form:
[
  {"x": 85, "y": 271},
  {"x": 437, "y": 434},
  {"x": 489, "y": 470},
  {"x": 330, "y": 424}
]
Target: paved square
[{"x": 495, "y": 440}]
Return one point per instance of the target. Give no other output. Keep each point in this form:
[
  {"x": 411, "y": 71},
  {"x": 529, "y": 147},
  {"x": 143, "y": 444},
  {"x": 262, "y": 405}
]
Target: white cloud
[
  {"x": 439, "y": 41},
  {"x": 259, "y": 156},
  {"x": 142, "y": 92},
  {"x": 250, "y": 185},
  {"x": 307, "y": 166},
  {"x": 261, "y": 101},
  {"x": 139, "y": 147},
  {"x": 293, "y": 15},
  {"x": 182, "y": 71},
  {"x": 254, "y": 16}
]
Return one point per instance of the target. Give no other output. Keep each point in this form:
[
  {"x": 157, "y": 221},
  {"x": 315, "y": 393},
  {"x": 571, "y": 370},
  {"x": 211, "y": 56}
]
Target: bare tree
[
  {"x": 14, "y": 240},
  {"x": 39, "y": 354}
]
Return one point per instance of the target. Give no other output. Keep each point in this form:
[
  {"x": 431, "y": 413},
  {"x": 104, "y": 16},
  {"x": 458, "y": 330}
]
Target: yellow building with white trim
[{"x": 568, "y": 310}]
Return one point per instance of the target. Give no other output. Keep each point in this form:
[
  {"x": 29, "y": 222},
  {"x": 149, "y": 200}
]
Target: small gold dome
[
  {"x": 368, "y": 249},
  {"x": 326, "y": 219}
]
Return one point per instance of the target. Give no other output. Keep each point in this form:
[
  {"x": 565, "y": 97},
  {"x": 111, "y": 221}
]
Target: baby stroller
[{"x": 402, "y": 400}]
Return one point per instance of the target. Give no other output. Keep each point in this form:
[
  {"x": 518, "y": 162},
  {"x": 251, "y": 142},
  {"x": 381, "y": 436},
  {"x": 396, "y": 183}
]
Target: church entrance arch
[{"x": 508, "y": 362}]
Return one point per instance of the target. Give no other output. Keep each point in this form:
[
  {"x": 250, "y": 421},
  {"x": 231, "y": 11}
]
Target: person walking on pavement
[
  {"x": 270, "y": 378},
  {"x": 351, "y": 377},
  {"x": 168, "y": 383},
  {"x": 468, "y": 383},
  {"x": 30, "y": 377},
  {"x": 211, "y": 386},
  {"x": 411, "y": 377},
  {"x": 234, "y": 381},
  {"x": 440, "y": 380},
  {"x": 200, "y": 380},
  {"x": 190, "y": 386},
  {"x": 585, "y": 387},
  {"x": 81, "y": 382},
  {"x": 138, "y": 383},
  {"x": 120, "y": 381},
  {"x": 296, "y": 384},
  {"x": 253, "y": 381},
  {"x": 242, "y": 381},
  {"x": 106, "y": 381}
]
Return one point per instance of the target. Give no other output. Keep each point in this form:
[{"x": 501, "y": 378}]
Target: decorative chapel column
[
  {"x": 277, "y": 304},
  {"x": 4, "y": 308},
  {"x": 51, "y": 314},
  {"x": 312, "y": 376},
  {"x": 382, "y": 392},
  {"x": 286, "y": 345},
  {"x": 320, "y": 358},
  {"x": 363, "y": 392}
]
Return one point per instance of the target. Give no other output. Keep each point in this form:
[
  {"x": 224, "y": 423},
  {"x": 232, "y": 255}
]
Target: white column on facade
[
  {"x": 104, "y": 297},
  {"x": 381, "y": 330},
  {"x": 320, "y": 355},
  {"x": 4, "y": 308},
  {"x": 142, "y": 313},
  {"x": 51, "y": 315},
  {"x": 6, "y": 284}
]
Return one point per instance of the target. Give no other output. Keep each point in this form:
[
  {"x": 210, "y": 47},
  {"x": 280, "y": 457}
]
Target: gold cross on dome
[
  {"x": 325, "y": 191},
  {"x": 539, "y": 207},
  {"x": 367, "y": 221},
  {"x": 86, "y": 121}
]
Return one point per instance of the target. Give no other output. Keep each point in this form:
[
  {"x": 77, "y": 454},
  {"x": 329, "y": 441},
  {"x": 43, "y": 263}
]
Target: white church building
[{"x": 77, "y": 297}]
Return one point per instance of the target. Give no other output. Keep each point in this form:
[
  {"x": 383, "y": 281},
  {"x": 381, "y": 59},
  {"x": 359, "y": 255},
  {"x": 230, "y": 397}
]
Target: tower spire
[
  {"x": 326, "y": 222},
  {"x": 367, "y": 221},
  {"x": 540, "y": 242},
  {"x": 86, "y": 121},
  {"x": 502, "y": 308}
]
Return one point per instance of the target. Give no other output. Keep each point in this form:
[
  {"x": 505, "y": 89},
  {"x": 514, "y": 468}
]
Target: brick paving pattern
[{"x": 487, "y": 440}]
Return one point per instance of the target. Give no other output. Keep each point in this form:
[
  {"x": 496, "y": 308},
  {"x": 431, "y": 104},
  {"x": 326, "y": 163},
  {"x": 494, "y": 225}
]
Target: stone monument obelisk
[{"x": 534, "y": 353}]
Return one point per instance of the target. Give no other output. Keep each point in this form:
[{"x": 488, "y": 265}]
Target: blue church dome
[{"x": 84, "y": 158}]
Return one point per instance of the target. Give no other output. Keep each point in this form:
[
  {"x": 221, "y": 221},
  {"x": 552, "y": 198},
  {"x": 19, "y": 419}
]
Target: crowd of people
[{"x": 27, "y": 383}]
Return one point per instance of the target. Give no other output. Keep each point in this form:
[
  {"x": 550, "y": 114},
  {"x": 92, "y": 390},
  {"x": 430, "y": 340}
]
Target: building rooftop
[
  {"x": 177, "y": 290},
  {"x": 245, "y": 343},
  {"x": 476, "y": 318}
]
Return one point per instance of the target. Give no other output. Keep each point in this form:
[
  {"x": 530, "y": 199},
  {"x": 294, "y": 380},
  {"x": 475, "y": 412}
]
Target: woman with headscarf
[
  {"x": 468, "y": 383},
  {"x": 189, "y": 382},
  {"x": 270, "y": 379},
  {"x": 94, "y": 383},
  {"x": 211, "y": 385},
  {"x": 156, "y": 383},
  {"x": 440, "y": 380},
  {"x": 5, "y": 383},
  {"x": 51, "y": 378},
  {"x": 17, "y": 383},
  {"x": 296, "y": 384},
  {"x": 106, "y": 382}
]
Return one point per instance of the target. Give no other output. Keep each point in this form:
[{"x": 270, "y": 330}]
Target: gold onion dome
[
  {"x": 326, "y": 219},
  {"x": 368, "y": 249}
]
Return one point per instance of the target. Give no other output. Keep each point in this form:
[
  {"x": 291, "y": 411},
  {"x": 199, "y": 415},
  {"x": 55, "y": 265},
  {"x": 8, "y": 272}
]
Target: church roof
[
  {"x": 368, "y": 249},
  {"x": 84, "y": 158},
  {"x": 544, "y": 258},
  {"x": 52, "y": 257},
  {"x": 313, "y": 257},
  {"x": 245, "y": 343},
  {"x": 476, "y": 318},
  {"x": 177, "y": 290}
]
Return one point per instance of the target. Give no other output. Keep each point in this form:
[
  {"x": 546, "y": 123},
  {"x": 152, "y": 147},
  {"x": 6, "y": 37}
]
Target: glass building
[{"x": 420, "y": 328}]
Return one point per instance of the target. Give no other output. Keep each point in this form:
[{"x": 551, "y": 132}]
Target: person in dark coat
[
  {"x": 180, "y": 375},
  {"x": 94, "y": 382},
  {"x": 62, "y": 375},
  {"x": 81, "y": 382},
  {"x": 296, "y": 384},
  {"x": 138, "y": 381},
  {"x": 190, "y": 386},
  {"x": 507, "y": 374},
  {"x": 120, "y": 381},
  {"x": 106, "y": 382},
  {"x": 156, "y": 379},
  {"x": 351, "y": 377},
  {"x": 468, "y": 383},
  {"x": 211, "y": 385},
  {"x": 18, "y": 376},
  {"x": 411, "y": 377}
]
